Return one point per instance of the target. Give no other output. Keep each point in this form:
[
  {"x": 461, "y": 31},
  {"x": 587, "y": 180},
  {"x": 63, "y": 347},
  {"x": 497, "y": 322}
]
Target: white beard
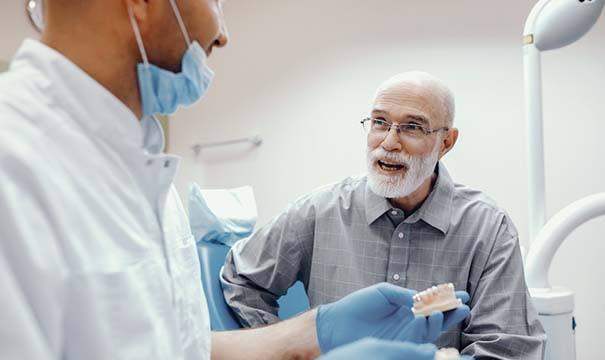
[{"x": 400, "y": 185}]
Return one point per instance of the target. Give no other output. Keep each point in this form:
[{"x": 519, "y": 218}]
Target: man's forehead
[
  {"x": 401, "y": 113},
  {"x": 404, "y": 88},
  {"x": 403, "y": 103}
]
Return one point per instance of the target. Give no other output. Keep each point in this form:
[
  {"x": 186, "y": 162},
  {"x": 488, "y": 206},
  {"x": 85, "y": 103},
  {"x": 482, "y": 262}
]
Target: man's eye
[{"x": 379, "y": 124}]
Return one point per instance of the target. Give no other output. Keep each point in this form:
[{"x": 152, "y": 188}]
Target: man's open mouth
[{"x": 390, "y": 166}]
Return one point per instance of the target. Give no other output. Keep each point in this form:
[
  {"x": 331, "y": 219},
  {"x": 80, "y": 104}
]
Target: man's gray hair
[{"x": 430, "y": 83}]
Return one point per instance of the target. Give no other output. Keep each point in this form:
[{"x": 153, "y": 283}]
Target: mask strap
[
  {"x": 179, "y": 19},
  {"x": 137, "y": 35}
]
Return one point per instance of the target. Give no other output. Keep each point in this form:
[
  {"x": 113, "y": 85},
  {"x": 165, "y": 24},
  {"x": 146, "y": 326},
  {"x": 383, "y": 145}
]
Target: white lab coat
[{"x": 97, "y": 259}]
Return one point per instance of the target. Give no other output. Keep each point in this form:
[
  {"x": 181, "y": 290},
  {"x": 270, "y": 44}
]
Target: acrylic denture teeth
[
  {"x": 447, "y": 354},
  {"x": 437, "y": 298}
]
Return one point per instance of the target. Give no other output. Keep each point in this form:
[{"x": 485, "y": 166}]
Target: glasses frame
[{"x": 401, "y": 128}]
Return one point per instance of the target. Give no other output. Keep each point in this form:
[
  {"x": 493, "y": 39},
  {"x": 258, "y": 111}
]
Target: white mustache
[{"x": 399, "y": 158}]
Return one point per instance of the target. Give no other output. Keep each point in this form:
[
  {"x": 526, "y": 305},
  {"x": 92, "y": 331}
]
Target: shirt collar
[
  {"x": 74, "y": 91},
  {"x": 435, "y": 210},
  {"x": 375, "y": 204},
  {"x": 153, "y": 135}
]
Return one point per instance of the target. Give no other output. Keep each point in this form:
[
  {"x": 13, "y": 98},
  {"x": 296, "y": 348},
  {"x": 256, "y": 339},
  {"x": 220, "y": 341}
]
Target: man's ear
[
  {"x": 139, "y": 8},
  {"x": 448, "y": 142}
]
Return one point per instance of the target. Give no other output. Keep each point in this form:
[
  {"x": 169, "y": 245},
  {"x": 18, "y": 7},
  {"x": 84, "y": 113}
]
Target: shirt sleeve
[
  {"x": 31, "y": 305},
  {"x": 503, "y": 323},
  {"x": 260, "y": 269}
]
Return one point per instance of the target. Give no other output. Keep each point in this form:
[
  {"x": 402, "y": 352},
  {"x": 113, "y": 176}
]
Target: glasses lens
[
  {"x": 375, "y": 125},
  {"x": 411, "y": 130},
  {"x": 379, "y": 125}
]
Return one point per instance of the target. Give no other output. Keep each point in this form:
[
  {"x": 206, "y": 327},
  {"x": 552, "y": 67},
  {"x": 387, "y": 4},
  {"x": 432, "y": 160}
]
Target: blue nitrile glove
[
  {"x": 370, "y": 348},
  {"x": 376, "y": 349},
  {"x": 381, "y": 311}
]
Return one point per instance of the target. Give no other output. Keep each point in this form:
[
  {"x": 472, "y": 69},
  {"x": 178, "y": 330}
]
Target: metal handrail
[{"x": 256, "y": 140}]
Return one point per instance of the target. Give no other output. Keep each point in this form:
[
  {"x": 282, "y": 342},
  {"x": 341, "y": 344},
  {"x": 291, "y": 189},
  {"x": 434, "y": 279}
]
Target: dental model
[
  {"x": 447, "y": 354},
  {"x": 437, "y": 298}
]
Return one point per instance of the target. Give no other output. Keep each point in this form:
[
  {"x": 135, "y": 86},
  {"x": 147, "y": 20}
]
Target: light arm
[
  {"x": 555, "y": 232},
  {"x": 291, "y": 339}
]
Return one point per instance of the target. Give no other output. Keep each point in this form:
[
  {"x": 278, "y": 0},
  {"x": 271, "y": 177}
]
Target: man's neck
[
  {"x": 414, "y": 201},
  {"x": 108, "y": 58}
]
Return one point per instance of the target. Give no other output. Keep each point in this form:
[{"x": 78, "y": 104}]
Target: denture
[{"x": 437, "y": 298}]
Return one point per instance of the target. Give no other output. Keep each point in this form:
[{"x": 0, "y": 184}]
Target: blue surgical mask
[{"x": 163, "y": 91}]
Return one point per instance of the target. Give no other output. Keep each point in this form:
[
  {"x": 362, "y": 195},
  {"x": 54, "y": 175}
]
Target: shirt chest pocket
[
  {"x": 189, "y": 295},
  {"x": 125, "y": 314},
  {"x": 184, "y": 254}
]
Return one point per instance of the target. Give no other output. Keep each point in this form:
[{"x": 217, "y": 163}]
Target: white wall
[
  {"x": 14, "y": 26},
  {"x": 302, "y": 74}
]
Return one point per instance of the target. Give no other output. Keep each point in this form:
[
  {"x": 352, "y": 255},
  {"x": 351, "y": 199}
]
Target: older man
[{"x": 406, "y": 222}]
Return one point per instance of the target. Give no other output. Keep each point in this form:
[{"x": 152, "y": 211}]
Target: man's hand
[{"x": 381, "y": 311}]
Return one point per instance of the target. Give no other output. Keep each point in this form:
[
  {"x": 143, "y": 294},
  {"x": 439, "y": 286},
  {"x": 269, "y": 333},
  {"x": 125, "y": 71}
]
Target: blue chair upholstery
[
  {"x": 294, "y": 302},
  {"x": 212, "y": 257}
]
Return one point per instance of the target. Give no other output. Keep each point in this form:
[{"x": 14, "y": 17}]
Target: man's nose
[{"x": 392, "y": 142}]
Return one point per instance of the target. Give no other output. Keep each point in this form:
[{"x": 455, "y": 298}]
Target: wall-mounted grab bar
[{"x": 256, "y": 140}]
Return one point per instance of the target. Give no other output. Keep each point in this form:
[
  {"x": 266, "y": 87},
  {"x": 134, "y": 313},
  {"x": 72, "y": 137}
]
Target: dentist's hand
[
  {"x": 381, "y": 311},
  {"x": 369, "y": 348}
]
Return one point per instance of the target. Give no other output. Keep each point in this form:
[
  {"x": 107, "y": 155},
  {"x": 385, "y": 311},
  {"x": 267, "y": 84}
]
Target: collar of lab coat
[
  {"x": 153, "y": 138},
  {"x": 75, "y": 91}
]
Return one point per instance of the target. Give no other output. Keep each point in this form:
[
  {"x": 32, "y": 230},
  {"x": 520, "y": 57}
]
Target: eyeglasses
[{"x": 381, "y": 127}]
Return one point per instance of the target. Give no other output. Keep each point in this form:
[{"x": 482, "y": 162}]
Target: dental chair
[{"x": 212, "y": 257}]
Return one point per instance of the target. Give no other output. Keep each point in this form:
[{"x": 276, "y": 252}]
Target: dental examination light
[{"x": 552, "y": 24}]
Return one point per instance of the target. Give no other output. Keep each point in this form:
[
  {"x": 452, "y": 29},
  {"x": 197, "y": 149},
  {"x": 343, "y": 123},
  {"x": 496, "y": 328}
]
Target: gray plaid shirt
[{"x": 343, "y": 237}]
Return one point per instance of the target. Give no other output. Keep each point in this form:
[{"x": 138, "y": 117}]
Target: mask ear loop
[
  {"x": 179, "y": 19},
  {"x": 139, "y": 38},
  {"x": 137, "y": 35}
]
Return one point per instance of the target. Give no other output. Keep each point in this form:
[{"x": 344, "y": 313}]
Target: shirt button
[
  {"x": 166, "y": 163},
  {"x": 396, "y": 277},
  {"x": 394, "y": 212},
  {"x": 400, "y": 235},
  {"x": 149, "y": 162}
]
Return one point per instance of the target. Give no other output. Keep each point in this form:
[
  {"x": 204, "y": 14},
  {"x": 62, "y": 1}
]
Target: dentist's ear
[
  {"x": 449, "y": 140},
  {"x": 35, "y": 14}
]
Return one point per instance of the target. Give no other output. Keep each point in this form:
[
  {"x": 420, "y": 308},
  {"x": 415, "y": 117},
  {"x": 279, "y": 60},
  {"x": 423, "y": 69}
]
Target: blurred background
[{"x": 302, "y": 74}]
